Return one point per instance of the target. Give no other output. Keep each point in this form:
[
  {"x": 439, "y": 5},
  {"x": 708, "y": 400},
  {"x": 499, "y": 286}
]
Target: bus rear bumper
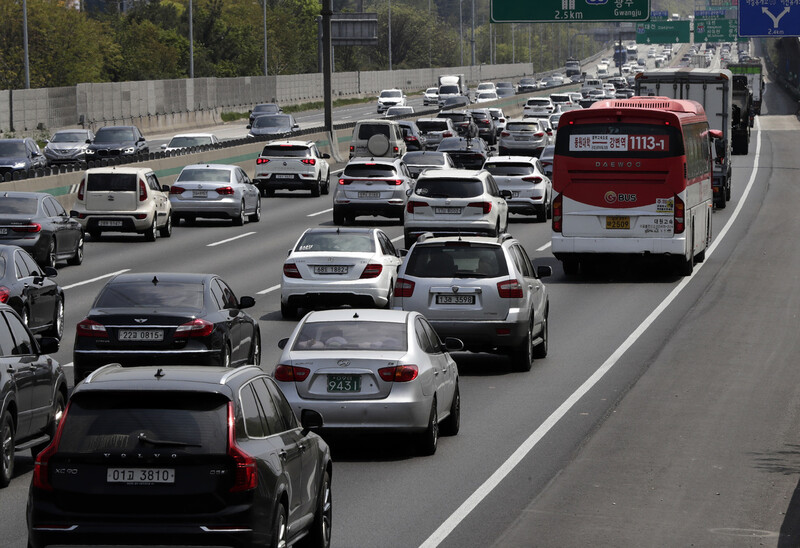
[{"x": 571, "y": 246}]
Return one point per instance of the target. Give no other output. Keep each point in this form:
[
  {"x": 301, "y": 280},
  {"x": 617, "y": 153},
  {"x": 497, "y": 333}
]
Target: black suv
[
  {"x": 111, "y": 141},
  {"x": 181, "y": 455},
  {"x": 33, "y": 390}
]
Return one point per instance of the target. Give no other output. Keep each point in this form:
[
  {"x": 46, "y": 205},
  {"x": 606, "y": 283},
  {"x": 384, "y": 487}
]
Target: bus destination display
[{"x": 619, "y": 143}]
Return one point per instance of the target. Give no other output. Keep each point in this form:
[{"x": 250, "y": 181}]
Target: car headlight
[
  {"x": 18, "y": 165},
  {"x": 129, "y": 150},
  {"x": 90, "y": 151}
]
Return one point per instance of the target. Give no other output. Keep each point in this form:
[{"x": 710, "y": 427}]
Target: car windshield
[
  {"x": 385, "y": 94},
  {"x": 141, "y": 294},
  {"x": 178, "y": 142},
  {"x": 457, "y": 260},
  {"x": 273, "y": 121},
  {"x": 12, "y": 148},
  {"x": 432, "y": 91},
  {"x": 204, "y": 175},
  {"x": 424, "y": 158},
  {"x": 113, "y": 135},
  {"x": 69, "y": 137},
  {"x": 18, "y": 204},
  {"x": 336, "y": 241},
  {"x": 195, "y": 423},
  {"x": 350, "y": 335},
  {"x": 509, "y": 169},
  {"x": 369, "y": 170},
  {"x": 448, "y": 188},
  {"x": 286, "y": 151},
  {"x": 111, "y": 182}
]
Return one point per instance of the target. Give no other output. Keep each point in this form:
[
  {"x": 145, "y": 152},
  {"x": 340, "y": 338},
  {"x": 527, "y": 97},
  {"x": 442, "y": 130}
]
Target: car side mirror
[
  {"x": 326, "y": 156},
  {"x": 88, "y": 141},
  {"x": 296, "y": 126},
  {"x": 452, "y": 344},
  {"x": 310, "y": 420},
  {"x": 164, "y": 146},
  {"x": 47, "y": 345},
  {"x": 74, "y": 214},
  {"x": 402, "y": 252},
  {"x": 141, "y": 140},
  {"x": 165, "y": 188},
  {"x": 282, "y": 343},
  {"x": 544, "y": 271},
  {"x": 409, "y": 191},
  {"x": 249, "y": 126},
  {"x": 50, "y": 272},
  {"x": 247, "y": 302}
]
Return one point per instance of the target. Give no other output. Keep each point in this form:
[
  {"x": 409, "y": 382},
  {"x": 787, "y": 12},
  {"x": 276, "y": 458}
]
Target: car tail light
[
  {"x": 5, "y": 293},
  {"x": 399, "y": 373},
  {"x": 198, "y": 327},
  {"x": 81, "y": 187},
  {"x": 505, "y": 134},
  {"x": 485, "y": 206},
  {"x": 557, "y": 213},
  {"x": 679, "y": 224},
  {"x": 411, "y": 139},
  {"x": 309, "y": 161},
  {"x": 396, "y": 149},
  {"x": 245, "y": 477},
  {"x": 535, "y": 180},
  {"x": 140, "y": 216},
  {"x": 372, "y": 270},
  {"x": 33, "y": 227},
  {"x": 142, "y": 191},
  {"x": 485, "y": 122},
  {"x": 344, "y": 181},
  {"x": 396, "y": 182},
  {"x": 41, "y": 468},
  {"x": 447, "y": 134},
  {"x": 352, "y": 148},
  {"x": 90, "y": 328},
  {"x": 176, "y": 189},
  {"x": 415, "y": 203},
  {"x": 261, "y": 161},
  {"x": 225, "y": 191},
  {"x": 509, "y": 289},
  {"x": 539, "y": 134},
  {"x": 289, "y": 373},
  {"x": 290, "y": 271},
  {"x": 403, "y": 288}
]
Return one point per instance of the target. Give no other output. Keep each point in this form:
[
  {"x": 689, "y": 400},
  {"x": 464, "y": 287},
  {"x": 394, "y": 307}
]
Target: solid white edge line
[
  {"x": 319, "y": 212},
  {"x": 230, "y": 239},
  {"x": 84, "y": 282},
  {"x": 545, "y": 246},
  {"x": 269, "y": 289},
  {"x": 527, "y": 446}
]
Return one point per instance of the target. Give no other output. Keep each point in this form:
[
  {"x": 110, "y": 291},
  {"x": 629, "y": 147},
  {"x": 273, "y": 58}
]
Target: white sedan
[{"x": 331, "y": 266}]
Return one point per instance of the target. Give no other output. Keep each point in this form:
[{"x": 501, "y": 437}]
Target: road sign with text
[
  {"x": 568, "y": 11},
  {"x": 663, "y": 32},
  {"x": 716, "y": 30},
  {"x": 769, "y": 18}
]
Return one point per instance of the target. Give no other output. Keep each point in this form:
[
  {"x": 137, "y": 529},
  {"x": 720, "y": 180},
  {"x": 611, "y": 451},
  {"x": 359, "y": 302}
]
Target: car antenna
[
  {"x": 155, "y": 280},
  {"x": 159, "y": 373}
]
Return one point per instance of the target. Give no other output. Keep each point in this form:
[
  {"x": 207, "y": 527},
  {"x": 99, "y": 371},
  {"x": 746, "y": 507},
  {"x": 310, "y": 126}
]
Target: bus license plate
[
  {"x": 618, "y": 222},
  {"x": 344, "y": 383},
  {"x": 140, "y": 476},
  {"x": 455, "y": 299},
  {"x": 141, "y": 335}
]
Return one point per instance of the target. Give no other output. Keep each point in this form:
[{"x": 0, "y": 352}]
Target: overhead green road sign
[
  {"x": 663, "y": 32},
  {"x": 568, "y": 11},
  {"x": 716, "y": 30}
]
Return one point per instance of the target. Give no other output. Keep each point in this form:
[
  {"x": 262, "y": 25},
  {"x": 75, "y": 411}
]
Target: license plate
[
  {"x": 515, "y": 193},
  {"x": 140, "y": 476},
  {"x": 522, "y": 138},
  {"x": 282, "y": 176},
  {"x": 344, "y": 383},
  {"x": 141, "y": 335},
  {"x": 109, "y": 223},
  {"x": 455, "y": 299},
  {"x": 199, "y": 194},
  {"x": 3, "y": 231},
  {"x": 369, "y": 194},
  {"x": 447, "y": 210},
  {"x": 614, "y": 222},
  {"x": 331, "y": 269}
]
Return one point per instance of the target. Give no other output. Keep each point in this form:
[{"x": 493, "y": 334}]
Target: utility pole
[
  {"x": 473, "y": 33},
  {"x": 266, "y": 73},
  {"x": 25, "y": 43},
  {"x": 390, "y": 34},
  {"x": 327, "y": 92},
  {"x": 461, "y": 31},
  {"x": 191, "y": 43}
]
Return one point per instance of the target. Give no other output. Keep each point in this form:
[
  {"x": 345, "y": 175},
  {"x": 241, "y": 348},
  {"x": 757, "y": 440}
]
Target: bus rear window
[{"x": 617, "y": 140}]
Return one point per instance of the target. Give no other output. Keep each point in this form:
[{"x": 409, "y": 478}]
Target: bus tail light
[
  {"x": 403, "y": 288},
  {"x": 557, "y": 213},
  {"x": 679, "y": 223}
]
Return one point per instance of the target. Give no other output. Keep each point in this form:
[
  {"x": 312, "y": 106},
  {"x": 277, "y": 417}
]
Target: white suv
[
  {"x": 292, "y": 165},
  {"x": 391, "y": 98},
  {"x": 123, "y": 199},
  {"x": 455, "y": 201},
  {"x": 531, "y": 191},
  {"x": 371, "y": 186}
]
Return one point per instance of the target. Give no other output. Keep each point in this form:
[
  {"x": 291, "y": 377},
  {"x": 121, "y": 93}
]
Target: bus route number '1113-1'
[{"x": 619, "y": 143}]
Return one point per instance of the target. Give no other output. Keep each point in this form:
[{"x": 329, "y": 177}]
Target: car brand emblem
[
  {"x": 455, "y": 289},
  {"x": 110, "y": 198},
  {"x": 284, "y": 163},
  {"x": 343, "y": 363},
  {"x": 140, "y": 320}
]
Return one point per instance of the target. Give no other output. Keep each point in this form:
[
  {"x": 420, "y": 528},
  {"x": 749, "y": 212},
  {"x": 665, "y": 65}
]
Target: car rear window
[
  {"x": 559, "y": 98},
  {"x": 424, "y": 159},
  {"x": 332, "y": 241},
  {"x": 455, "y": 117},
  {"x": 151, "y": 295},
  {"x": 431, "y": 125},
  {"x": 369, "y": 170},
  {"x": 509, "y": 169},
  {"x": 189, "y": 142},
  {"x": 457, "y": 260},
  {"x": 126, "y": 421},
  {"x": 480, "y": 115},
  {"x": 467, "y": 159},
  {"x": 349, "y": 335},
  {"x": 18, "y": 204},
  {"x": 205, "y": 175},
  {"x": 521, "y": 126},
  {"x": 448, "y": 188},
  {"x": 286, "y": 151},
  {"x": 365, "y": 131},
  {"x": 111, "y": 182},
  {"x": 538, "y": 102}
]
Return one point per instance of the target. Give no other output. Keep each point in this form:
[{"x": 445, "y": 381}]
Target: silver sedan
[
  {"x": 373, "y": 370},
  {"x": 216, "y": 191}
]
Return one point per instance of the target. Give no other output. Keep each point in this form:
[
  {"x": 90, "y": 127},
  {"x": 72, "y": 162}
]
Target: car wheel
[
  {"x": 58, "y": 411},
  {"x": 541, "y": 214},
  {"x": 409, "y": 241},
  {"x": 429, "y": 439},
  {"x": 50, "y": 256},
  {"x": 279, "y": 527},
  {"x": 57, "y": 328},
  {"x": 152, "y": 233},
  {"x": 78, "y": 257},
  {"x": 166, "y": 230},
  {"x": 176, "y": 219},
  {"x": 540, "y": 350},
  {"x": 522, "y": 357},
  {"x": 338, "y": 217},
  {"x": 256, "y": 215},
  {"x": 95, "y": 234},
  {"x": 549, "y": 210},
  {"x": 225, "y": 356},
  {"x": 319, "y": 535},
  {"x": 288, "y": 311},
  {"x": 255, "y": 349},
  {"x": 238, "y": 220},
  {"x": 6, "y": 449},
  {"x": 269, "y": 193},
  {"x": 389, "y": 297},
  {"x": 720, "y": 202},
  {"x": 452, "y": 424},
  {"x": 571, "y": 266},
  {"x": 316, "y": 190},
  {"x": 327, "y": 188}
]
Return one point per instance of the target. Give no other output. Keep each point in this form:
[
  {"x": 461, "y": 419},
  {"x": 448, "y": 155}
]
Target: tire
[
  {"x": 327, "y": 188},
  {"x": 81, "y": 368},
  {"x": 152, "y": 233},
  {"x": 316, "y": 190},
  {"x": 256, "y": 215},
  {"x": 409, "y": 241},
  {"x": 721, "y": 202},
  {"x": 225, "y": 356},
  {"x": 95, "y": 234},
  {"x": 571, "y": 266},
  {"x": 255, "y": 350},
  {"x": 452, "y": 424},
  {"x": 176, "y": 219},
  {"x": 57, "y": 329},
  {"x": 319, "y": 534},
  {"x": 540, "y": 350},
  {"x": 522, "y": 357},
  {"x": 288, "y": 312},
  {"x": 49, "y": 258},
  {"x": 338, "y": 217},
  {"x": 429, "y": 439},
  {"x": 279, "y": 532},
  {"x": 549, "y": 209},
  {"x": 269, "y": 193},
  {"x": 78, "y": 257},
  {"x": 541, "y": 214},
  {"x": 728, "y": 192},
  {"x": 166, "y": 230},
  {"x": 6, "y": 449},
  {"x": 686, "y": 266},
  {"x": 238, "y": 220},
  {"x": 58, "y": 410}
]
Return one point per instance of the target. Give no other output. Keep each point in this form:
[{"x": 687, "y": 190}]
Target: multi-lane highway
[{"x": 664, "y": 415}]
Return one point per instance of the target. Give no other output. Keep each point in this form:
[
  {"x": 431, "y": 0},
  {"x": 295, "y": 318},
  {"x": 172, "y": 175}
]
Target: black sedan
[
  {"x": 37, "y": 223},
  {"x": 27, "y": 288},
  {"x": 166, "y": 318}
]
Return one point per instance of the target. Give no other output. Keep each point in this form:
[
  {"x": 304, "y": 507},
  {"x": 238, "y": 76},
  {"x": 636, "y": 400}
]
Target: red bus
[{"x": 633, "y": 177}]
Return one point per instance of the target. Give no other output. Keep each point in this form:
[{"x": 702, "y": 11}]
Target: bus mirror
[{"x": 720, "y": 146}]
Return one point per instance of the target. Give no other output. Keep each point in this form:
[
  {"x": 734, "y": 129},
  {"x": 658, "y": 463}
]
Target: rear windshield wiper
[{"x": 144, "y": 439}]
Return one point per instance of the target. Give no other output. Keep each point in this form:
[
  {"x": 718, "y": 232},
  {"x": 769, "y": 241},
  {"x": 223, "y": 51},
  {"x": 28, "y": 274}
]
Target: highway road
[{"x": 665, "y": 413}]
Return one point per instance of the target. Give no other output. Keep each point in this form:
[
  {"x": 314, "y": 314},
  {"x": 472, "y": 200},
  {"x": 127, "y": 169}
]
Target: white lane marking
[
  {"x": 84, "y": 282},
  {"x": 269, "y": 290},
  {"x": 66, "y": 364},
  {"x": 319, "y": 212},
  {"x": 527, "y": 446},
  {"x": 545, "y": 246},
  {"x": 230, "y": 239},
  {"x": 397, "y": 239}
]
